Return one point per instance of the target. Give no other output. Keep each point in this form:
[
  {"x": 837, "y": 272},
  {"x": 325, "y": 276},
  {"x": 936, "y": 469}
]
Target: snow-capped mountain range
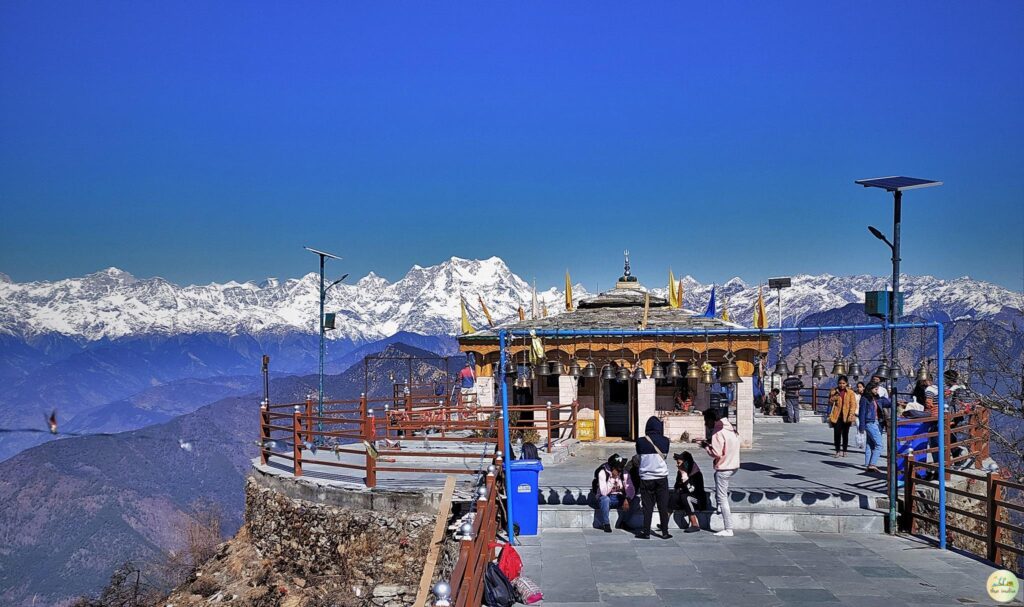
[{"x": 113, "y": 304}]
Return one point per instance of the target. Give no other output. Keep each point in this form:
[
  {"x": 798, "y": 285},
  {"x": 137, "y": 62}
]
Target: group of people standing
[{"x": 641, "y": 483}]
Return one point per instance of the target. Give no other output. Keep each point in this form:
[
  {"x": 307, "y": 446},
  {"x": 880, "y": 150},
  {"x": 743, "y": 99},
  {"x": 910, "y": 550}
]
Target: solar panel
[
  {"x": 894, "y": 184},
  {"x": 312, "y": 250}
]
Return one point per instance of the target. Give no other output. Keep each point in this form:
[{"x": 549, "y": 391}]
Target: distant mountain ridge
[{"x": 113, "y": 304}]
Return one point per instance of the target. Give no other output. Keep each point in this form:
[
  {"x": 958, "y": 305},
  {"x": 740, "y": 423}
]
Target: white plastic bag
[{"x": 860, "y": 440}]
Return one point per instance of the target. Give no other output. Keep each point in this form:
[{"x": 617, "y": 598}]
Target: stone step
[
  {"x": 820, "y": 520},
  {"x": 754, "y": 499},
  {"x": 806, "y": 417}
]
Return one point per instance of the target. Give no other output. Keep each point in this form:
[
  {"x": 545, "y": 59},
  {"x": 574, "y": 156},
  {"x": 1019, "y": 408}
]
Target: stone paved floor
[{"x": 589, "y": 568}]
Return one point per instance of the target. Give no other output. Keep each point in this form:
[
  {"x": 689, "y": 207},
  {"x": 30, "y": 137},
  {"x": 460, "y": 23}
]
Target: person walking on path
[
  {"x": 843, "y": 407},
  {"x": 652, "y": 450},
  {"x": 467, "y": 378},
  {"x": 613, "y": 488},
  {"x": 791, "y": 387},
  {"x": 867, "y": 418},
  {"x": 689, "y": 494},
  {"x": 724, "y": 449}
]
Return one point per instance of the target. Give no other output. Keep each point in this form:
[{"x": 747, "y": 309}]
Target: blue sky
[{"x": 210, "y": 141}]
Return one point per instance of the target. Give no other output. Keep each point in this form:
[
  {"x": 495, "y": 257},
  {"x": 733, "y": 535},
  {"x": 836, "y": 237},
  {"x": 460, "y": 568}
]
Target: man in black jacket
[{"x": 652, "y": 449}]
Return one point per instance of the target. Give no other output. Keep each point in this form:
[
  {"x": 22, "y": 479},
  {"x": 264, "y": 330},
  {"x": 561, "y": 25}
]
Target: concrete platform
[{"x": 590, "y": 568}]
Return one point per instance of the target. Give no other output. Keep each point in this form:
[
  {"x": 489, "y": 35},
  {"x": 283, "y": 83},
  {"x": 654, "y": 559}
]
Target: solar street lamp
[
  {"x": 896, "y": 185},
  {"x": 323, "y": 327}
]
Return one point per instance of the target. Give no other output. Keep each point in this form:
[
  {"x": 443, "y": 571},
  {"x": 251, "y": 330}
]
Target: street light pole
[
  {"x": 323, "y": 295},
  {"x": 896, "y": 185}
]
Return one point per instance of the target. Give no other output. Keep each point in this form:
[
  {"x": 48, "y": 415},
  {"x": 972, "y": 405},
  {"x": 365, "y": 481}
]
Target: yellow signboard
[{"x": 585, "y": 429}]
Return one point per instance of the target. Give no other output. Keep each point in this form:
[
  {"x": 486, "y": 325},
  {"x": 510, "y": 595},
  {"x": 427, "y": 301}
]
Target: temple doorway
[{"x": 618, "y": 417}]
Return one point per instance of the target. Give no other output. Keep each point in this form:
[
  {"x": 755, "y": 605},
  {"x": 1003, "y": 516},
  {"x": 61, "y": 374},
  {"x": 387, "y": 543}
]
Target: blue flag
[{"x": 710, "y": 312}]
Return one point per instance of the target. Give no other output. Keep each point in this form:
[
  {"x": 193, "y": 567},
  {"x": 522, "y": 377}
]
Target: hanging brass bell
[
  {"x": 922, "y": 373},
  {"x": 781, "y": 368},
  {"x": 639, "y": 373},
  {"x": 882, "y": 371},
  {"x": 673, "y": 371},
  {"x": 855, "y": 371},
  {"x": 728, "y": 373},
  {"x": 608, "y": 373},
  {"x": 800, "y": 368},
  {"x": 707, "y": 376},
  {"x": 574, "y": 368},
  {"x": 838, "y": 366},
  {"x": 692, "y": 370},
  {"x": 622, "y": 374},
  {"x": 658, "y": 372},
  {"x": 530, "y": 374},
  {"x": 543, "y": 368},
  {"x": 555, "y": 367},
  {"x": 590, "y": 370},
  {"x": 895, "y": 371},
  {"x": 818, "y": 370}
]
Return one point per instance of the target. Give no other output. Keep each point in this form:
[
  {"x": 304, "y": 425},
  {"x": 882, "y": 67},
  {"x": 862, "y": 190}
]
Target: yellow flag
[
  {"x": 522, "y": 312},
  {"x": 672, "y": 301},
  {"x": 536, "y": 347},
  {"x": 466, "y": 327},
  {"x": 487, "y": 313},
  {"x": 545, "y": 311},
  {"x": 760, "y": 318},
  {"x": 568, "y": 292},
  {"x": 725, "y": 310},
  {"x": 679, "y": 296},
  {"x": 647, "y": 309}
]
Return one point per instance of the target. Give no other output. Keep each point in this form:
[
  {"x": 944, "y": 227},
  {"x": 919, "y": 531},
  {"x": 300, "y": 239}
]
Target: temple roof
[{"x": 614, "y": 318}]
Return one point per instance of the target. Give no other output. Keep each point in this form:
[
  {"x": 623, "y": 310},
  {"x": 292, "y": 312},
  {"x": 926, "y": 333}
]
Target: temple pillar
[
  {"x": 645, "y": 402},
  {"x": 566, "y": 389},
  {"x": 485, "y": 391},
  {"x": 745, "y": 412}
]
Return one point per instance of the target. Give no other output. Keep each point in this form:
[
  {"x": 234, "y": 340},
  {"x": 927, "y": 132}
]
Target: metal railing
[{"x": 477, "y": 548}]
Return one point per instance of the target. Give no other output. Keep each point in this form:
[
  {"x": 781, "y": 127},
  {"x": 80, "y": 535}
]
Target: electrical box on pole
[{"x": 876, "y": 303}]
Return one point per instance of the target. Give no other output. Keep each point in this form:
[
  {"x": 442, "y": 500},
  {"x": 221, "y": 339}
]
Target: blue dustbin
[
  {"x": 525, "y": 483},
  {"x": 918, "y": 444}
]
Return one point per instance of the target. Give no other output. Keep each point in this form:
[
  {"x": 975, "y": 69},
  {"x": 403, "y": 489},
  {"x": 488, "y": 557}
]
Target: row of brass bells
[
  {"x": 818, "y": 370},
  {"x": 839, "y": 366},
  {"x": 800, "y": 368}
]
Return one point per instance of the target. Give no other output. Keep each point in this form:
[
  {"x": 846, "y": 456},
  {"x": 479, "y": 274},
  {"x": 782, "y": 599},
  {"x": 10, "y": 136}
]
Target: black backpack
[
  {"x": 498, "y": 591},
  {"x": 595, "y": 487},
  {"x": 529, "y": 451}
]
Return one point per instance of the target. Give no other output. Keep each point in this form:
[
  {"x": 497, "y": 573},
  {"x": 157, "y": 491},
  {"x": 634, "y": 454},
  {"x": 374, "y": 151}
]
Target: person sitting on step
[
  {"x": 613, "y": 488},
  {"x": 688, "y": 494}
]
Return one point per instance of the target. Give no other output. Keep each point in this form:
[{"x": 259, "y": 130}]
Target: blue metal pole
[
  {"x": 506, "y": 459},
  {"x": 942, "y": 439},
  {"x": 736, "y": 333}
]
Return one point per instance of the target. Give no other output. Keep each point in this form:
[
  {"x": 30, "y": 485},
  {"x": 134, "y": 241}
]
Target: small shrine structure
[{"x": 620, "y": 382}]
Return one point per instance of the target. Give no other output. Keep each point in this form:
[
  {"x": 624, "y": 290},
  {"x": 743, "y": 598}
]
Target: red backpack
[{"x": 509, "y": 562}]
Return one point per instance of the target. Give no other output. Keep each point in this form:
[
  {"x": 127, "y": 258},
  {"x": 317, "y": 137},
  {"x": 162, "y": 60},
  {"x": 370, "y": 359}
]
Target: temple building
[{"x": 620, "y": 382}]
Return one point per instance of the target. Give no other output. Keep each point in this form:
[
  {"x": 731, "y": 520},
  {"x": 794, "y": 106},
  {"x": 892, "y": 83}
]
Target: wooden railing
[
  {"x": 477, "y": 549},
  {"x": 554, "y": 423},
  {"x": 993, "y": 520},
  {"x": 966, "y": 437},
  {"x": 287, "y": 431}
]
